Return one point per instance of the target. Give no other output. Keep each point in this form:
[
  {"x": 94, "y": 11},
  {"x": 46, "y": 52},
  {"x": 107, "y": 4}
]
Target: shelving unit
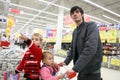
[
  {"x": 9, "y": 59},
  {"x": 111, "y": 58}
]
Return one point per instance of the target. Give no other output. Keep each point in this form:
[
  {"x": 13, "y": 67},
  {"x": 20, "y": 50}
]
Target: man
[{"x": 86, "y": 48}]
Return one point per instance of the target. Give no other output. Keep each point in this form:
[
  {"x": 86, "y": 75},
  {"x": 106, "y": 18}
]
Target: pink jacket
[{"x": 46, "y": 73}]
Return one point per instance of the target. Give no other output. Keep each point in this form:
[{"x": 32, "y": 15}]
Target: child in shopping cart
[
  {"x": 50, "y": 68},
  {"x": 31, "y": 60}
]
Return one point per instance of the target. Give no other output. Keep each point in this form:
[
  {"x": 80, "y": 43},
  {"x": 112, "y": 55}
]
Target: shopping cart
[
  {"x": 8, "y": 75},
  {"x": 70, "y": 75}
]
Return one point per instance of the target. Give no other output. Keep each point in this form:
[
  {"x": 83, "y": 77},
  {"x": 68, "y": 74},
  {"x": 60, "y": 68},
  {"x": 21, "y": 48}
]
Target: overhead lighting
[
  {"x": 103, "y": 8},
  {"x": 30, "y": 18},
  {"x": 7, "y": 1},
  {"x": 39, "y": 11},
  {"x": 19, "y": 17},
  {"x": 54, "y": 4},
  {"x": 19, "y": 24},
  {"x": 111, "y": 18},
  {"x": 38, "y": 25},
  {"x": 41, "y": 17},
  {"x": 99, "y": 19},
  {"x": 16, "y": 20},
  {"x": 35, "y": 24},
  {"x": 69, "y": 9},
  {"x": 95, "y": 21},
  {"x": 33, "y": 9}
]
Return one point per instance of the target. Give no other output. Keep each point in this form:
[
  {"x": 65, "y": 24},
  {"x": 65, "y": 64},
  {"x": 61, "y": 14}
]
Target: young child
[
  {"x": 49, "y": 68},
  {"x": 31, "y": 60}
]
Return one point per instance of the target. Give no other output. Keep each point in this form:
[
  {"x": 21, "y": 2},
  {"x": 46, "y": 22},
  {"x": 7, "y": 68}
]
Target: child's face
[
  {"x": 49, "y": 59},
  {"x": 36, "y": 40}
]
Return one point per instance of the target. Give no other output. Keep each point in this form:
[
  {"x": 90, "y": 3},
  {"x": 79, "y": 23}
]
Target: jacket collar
[{"x": 81, "y": 25}]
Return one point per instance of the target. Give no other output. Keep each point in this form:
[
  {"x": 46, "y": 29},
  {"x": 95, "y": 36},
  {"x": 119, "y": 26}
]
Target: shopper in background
[
  {"x": 49, "y": 68},
  {"x": 86, "y": 48},
  {"x": 31, "y": 61}
]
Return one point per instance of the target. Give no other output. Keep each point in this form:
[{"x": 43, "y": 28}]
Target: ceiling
[{"x": 43, "y": 13}]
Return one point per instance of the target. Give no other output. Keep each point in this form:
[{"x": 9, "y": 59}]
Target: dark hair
[{"x": 74, "y": 8}]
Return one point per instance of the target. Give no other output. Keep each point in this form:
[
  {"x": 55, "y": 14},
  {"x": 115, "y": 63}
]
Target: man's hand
[
  {"x": 61, "y": 64},
  {"x": 71, "y": 74}
]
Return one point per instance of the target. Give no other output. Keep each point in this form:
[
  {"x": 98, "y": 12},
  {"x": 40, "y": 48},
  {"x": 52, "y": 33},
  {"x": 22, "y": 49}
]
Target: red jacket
[{"x": 31, "y": 61}]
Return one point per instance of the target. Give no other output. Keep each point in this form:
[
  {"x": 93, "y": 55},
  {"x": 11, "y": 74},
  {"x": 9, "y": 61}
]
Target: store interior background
[{"x": 51, "y": 19}]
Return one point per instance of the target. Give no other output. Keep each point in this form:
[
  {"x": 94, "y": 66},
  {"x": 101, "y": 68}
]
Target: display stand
[{"x": 111, "y": 55}]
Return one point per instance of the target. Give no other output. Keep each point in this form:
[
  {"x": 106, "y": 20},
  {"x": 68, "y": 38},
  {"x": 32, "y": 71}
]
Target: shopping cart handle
[{"x": 71, "y": 75}]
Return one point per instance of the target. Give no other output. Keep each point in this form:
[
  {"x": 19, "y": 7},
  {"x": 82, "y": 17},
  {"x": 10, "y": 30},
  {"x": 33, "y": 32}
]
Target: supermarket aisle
[{"x": 107, "y": 74}]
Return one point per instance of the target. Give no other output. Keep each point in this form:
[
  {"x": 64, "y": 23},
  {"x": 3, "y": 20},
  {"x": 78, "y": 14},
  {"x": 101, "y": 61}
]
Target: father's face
[{"x": 76, "y": 16}]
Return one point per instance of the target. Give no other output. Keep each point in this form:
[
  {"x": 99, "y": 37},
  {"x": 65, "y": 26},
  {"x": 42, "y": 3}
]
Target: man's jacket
[{"x": 86, "y": 48}]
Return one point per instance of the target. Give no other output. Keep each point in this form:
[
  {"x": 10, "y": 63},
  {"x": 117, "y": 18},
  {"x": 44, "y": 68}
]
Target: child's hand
[
  {"x": 61, "y": 76},
  {"x": 23, "y": 37},
  {"x": 55, "y": 66}
]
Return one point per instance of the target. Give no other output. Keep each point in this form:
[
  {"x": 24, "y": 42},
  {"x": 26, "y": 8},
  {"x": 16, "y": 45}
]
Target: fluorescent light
[
  {"x": 33, "y": 9},
  {"x": 39, "y": 11},
  {"x": 99, "y": 19},
  {"x": 33, "y": 25},
  {"x": 7, "y": 1},
  {"x": 19, "y": 17},
  {"x": 41, "y": 17},
  {"x": 54, "y": 4},
  {"x": 38, "y": 24},
  {"x": 22, "y": 12},
  {"x": 40, "y": 27},
  {"x": 20, "y": 21},
  {"x": 88, "y": 1},
  {"x": 30, "y": 18},
  {"x": 19, "y": 24},
  {"x": 95, "y": 21},
  {"x": 16, "y": 20},
  {"x": 111, "y": 18},
  {"x": 69, "y": 9}
]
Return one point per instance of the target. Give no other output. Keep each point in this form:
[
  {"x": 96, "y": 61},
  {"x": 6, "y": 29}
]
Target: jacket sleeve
[
  {"x": 35, "y": 49},
  {"x": 69, "y": 53},
  {"x": 69, "y": 57},
  {"x": 90, "y": 48},
  {"x": 20, "y": 67},
  {"x": 46, "y": 75}
]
